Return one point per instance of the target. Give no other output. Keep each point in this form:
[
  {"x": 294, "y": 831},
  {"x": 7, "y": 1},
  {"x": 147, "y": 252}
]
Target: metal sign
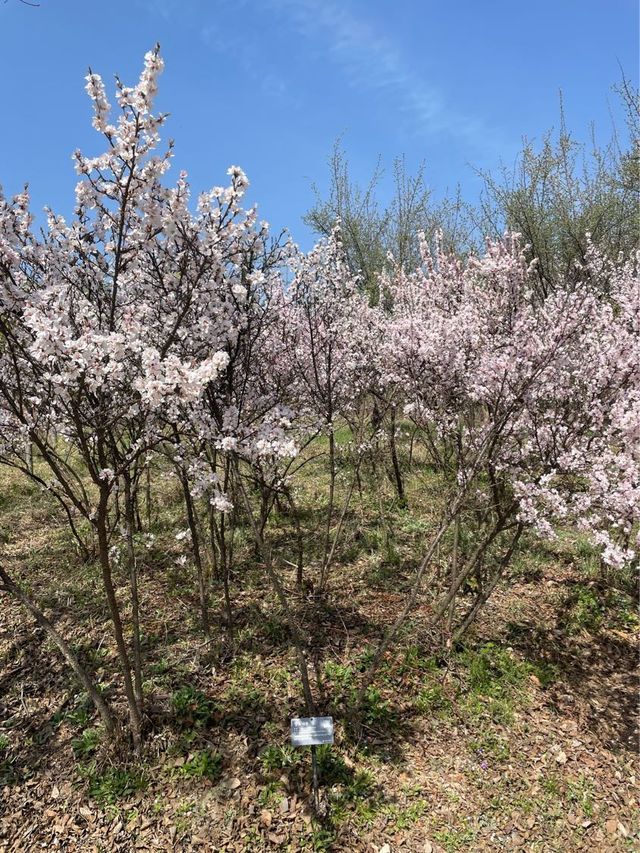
[{"x": 311, "y": 731}]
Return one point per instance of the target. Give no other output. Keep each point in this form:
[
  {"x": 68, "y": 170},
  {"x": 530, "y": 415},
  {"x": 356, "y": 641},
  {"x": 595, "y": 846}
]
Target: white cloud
[
  {"x": 241, "y": 51},
  {"x": 371, "y": 62}
]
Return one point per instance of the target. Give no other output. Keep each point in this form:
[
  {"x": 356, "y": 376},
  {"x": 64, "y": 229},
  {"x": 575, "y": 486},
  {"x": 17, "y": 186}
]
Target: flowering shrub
[
  {"x": 534, "y": 399},
  {"x": 149, "y": 324}
]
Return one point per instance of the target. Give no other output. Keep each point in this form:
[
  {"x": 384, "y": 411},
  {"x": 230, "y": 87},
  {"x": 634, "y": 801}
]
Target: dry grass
[{"x": 520, "y": 740}]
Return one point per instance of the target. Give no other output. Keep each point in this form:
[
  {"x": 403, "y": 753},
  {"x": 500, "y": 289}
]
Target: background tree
[
  {"x": 560, "y": 192},
  {"x": 371, "y": 230}
]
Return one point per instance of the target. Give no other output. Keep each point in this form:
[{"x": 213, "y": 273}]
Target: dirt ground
[{"x": 523, "y": 739}]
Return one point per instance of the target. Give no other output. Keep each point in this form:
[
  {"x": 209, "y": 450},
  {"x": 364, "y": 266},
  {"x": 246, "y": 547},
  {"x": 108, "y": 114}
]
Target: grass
[
  {"x": 204, "y": 764},
  {"x": 191, "y": 707},
  {"x": 277, "y": 757},
  {"x": 115, "y": 784},
  {"x": 590, "y": 607},
  {"x": 494, "y": 670},
  {"x": 377, "y": 711},
  {"x": 8, "y": 775},
  {"x": 433, "y": 701},
  {"x": 455, "y": 839},
  {"x": 403, "y": 817},
  {"x": 87, "y": 744},
  {"x": 429, "y": 711}
]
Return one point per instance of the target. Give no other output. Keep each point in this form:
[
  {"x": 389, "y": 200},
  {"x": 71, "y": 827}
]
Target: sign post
[
  {"x": 314, "y": 779},
  {"x": 313, "y": 732}
]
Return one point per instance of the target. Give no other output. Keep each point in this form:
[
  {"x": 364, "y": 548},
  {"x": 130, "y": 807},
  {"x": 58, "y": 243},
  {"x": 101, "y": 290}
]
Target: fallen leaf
[{"x": 611, "y": 826}]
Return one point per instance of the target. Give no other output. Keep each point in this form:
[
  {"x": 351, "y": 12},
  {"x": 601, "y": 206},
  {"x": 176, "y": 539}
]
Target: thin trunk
[
  {"x": 136, "y": 506},
  {"x": 212, "y": 540},
  {"x": 441, "y": 608},
  {"x": 454, "y": 573},
  {"x": 68, "y": 654},
  {"x": 329, "y": 556},
  {"x": 411, "y": 443},
  {"x": 226, "y": 551},
  {"x": 391, "y": 632},
  {"x": 397, "y": 473},
  {"x": 135, "y": 599},
  {"x": 484, "y": 594},
  {"x": 299, "y": 537},
  {"x": 148, "y": 495},
  {"x": 222, "y": 555},
  {"x": 282, "y": 597},
  {"x": 85, "y": 553},
  {"x": 225, "y": 560},
  {"x": 332, "y": 489},
  {"x": 227, "y": 603},
  {"x": 203, "y": 591},
  {"x": 107, "y": 580}
]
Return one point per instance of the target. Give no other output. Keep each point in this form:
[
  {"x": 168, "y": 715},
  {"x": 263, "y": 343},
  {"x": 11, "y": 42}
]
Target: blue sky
[{"x": 270, "y": 84}]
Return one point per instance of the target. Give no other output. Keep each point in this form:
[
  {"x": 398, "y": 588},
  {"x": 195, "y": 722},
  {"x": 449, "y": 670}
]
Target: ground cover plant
[{"x": 237, "y": 488}]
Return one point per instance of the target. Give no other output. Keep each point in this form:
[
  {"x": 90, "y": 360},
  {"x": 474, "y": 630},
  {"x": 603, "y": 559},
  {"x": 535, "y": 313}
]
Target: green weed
[
  {"x": 205, "y": 764},
  {"x": 545, "y": 672},
  {"x": 115, "y": 784},
  {"x": 432, "y": 700},
  {"x": 498, "y": 710},
  {"x": 402, "y": 817},
  {"x": 8, "y": 775},
  {"x": 340, "y": 676},
  {"x": 414, "y": 660},
  {"x": 583, "y": 609},
  {"x": 551, "y": 785},
  {"x": 490, "y": 745},
  {"x": 377, "y": 711},
  {"x": 493, "y": 671},
  {"x": 276, "y": 757},
  {"x": 191, "y": 707},
  {"x": 321, "y": 838},
  {"x": 276, "y": 631},
  {"x": 581, "y": 791},
  {"x": 85, "y": 745},
  {"x": 455, "y": 839},
  {"x": 270, "y": 794}
]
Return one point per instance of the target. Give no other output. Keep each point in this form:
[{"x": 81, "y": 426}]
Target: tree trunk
[
  {"x": 332, "y": 489},
  {"x": 484, "y": 594},
  {"x": 109, "y": 721},
  {"x": 299, "y": 537},
  {"x": 442, "y": 606},
  {"x": 454, "y": 573},
  {"x": 397, "y": 473},
  {"x": 135, "y": 599},
  {"x": 203, "y": 590},
  {"x": 282, "y": 597},
  {"x": 107, "y": 580}
]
